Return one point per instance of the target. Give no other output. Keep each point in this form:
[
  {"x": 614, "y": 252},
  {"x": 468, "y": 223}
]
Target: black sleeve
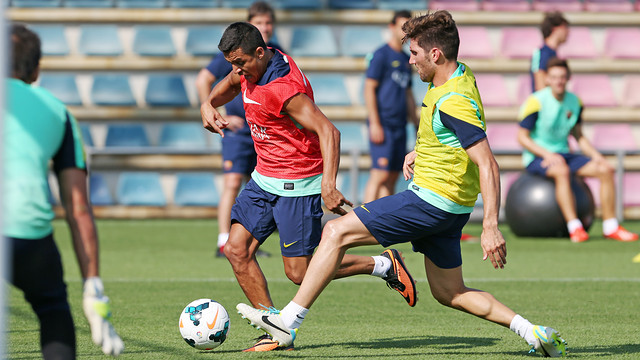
[
  {"x": 467, "y": 134},
  {"x": 66, "y": 155}
]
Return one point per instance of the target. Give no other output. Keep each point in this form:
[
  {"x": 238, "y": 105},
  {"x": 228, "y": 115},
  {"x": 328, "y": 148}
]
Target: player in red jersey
[{"x": 298, "y": 154}]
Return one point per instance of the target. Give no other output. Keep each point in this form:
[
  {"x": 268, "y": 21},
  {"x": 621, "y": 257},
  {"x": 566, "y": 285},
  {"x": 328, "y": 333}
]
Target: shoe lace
[
  {"x": 395, "y": 284},
  {"x": 270, "y": 309}
]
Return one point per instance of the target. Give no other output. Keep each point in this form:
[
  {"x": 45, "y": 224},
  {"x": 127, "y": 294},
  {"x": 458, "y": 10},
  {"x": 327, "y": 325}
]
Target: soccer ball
[{"x": 204, "y": 324}]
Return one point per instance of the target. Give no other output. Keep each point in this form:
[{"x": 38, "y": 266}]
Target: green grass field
[{"x": 151, "y": 269}]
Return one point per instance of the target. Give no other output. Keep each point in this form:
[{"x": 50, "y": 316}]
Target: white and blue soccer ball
[{"x": 204, "y": 324}]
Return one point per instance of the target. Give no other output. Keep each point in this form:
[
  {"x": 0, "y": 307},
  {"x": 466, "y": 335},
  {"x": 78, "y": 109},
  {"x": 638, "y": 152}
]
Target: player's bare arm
[
  {"x": 549, "y": 158},
  {"x": 303, "y": 110},
  {"x": 585, "y": 145},
  {"x": 376, "y": 133},
  {"x": 411, "y": 108},
  {"x": 493, "y": 245},
  {"x": 204, "y": 81},
  {"x": 225, "y": 91}
]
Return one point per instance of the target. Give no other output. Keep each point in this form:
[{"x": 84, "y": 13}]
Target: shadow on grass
[{"x": 606, "y": 350}]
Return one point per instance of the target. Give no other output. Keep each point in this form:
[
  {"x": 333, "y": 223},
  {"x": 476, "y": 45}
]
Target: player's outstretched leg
[
  {"x": 270, "y": 321},
  {"x": 548, "y": 342},
  {"x": 398, "y": 277}
]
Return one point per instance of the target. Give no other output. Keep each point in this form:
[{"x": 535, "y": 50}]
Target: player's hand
[
  {"x": 376, "y": 133},
  {"x": 333, "y": 200},
  {"x": 96, "y": 308},
  {"x": 235, "y": 122},
  {"x": 494, "y": 247},
  {"x": 552, "y": 160},
  {"x": 212, "y": 120},
  {"x": 409, "y": 162}
]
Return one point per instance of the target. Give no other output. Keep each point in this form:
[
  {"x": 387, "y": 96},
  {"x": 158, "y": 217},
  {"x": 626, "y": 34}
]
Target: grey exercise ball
[{"x": 531, "y": 209}]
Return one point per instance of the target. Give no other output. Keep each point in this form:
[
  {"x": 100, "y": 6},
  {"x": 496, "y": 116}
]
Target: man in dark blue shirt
[{"x": 555, "y": 30}]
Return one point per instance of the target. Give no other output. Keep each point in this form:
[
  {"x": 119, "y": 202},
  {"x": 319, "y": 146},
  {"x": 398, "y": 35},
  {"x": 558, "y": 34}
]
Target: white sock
[
  {"x": 382, "y": 266},
  {"x": 222, "y": 239},
  {"x": 292, "y": 315},
  {"x": 573, "y": 225},
  {"x": 524, "y": 328},
  {"x": 609, "y": 226}
]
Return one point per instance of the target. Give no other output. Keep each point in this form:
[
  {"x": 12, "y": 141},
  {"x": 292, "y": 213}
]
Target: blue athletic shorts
[
  {"x": 405, "y": 217},
  {"x": 238, "y": 154},
  {"x": 390, "y": 154},
  {"x": 574, "y": 161},
  {"x": 298, "y": 219}
]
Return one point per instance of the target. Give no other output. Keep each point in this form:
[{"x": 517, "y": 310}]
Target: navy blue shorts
[
  {"x": 390, "y": 154},
  {"x": 238, "y": 154},
  {"x": 298, "y": 219},
  {"x": 574, "y": 161},
  {"x": 405, "y": 217}
]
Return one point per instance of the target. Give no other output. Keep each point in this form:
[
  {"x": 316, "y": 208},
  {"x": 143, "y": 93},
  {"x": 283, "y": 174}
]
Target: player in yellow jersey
[{"x": 452, "y": 162}]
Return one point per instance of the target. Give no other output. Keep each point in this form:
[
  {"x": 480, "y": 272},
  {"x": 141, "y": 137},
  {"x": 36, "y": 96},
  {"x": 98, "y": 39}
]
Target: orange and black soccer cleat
[{"x": 398, "y": 277}]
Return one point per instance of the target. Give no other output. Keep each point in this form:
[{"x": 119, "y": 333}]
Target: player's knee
[
  {"x": 232, "y": 183},
  {"x": 235, "y": 253},
  {"x": 605, "y": 170},
  {"x": 295, "y": 276},
  {"x": 333, "y": 234},
  {"x": 560, "y": 171}
]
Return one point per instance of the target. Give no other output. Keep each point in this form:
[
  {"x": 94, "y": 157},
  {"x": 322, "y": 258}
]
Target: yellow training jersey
[{"x": 447, "y": 177}]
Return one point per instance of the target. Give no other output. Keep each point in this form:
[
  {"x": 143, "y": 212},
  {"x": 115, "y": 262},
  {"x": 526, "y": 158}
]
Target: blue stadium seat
[
  {"x": 419, "y": 89},
  {"x": 197, "y": 189},
  {"x": 183, "y": 136},
  {"x": 353, "y": 137},
  {"x": 329, "y": 89},
  {"x": 297, "y": 4},
  {"x": 99, "y": 191},
  {"x": 142, "y": 4},
  {"x": 351, "y": 4},
  {"x": 85, "y": 131},
  {"x": 401, "y": 184},
  {"x": 316, "y": 40},
  {"x": 166, "y": 90},
  {"x": 126, "y": 135},
  {"x": 193, "y": 3},
  {"x": 360, "y": 40},
  {"x": 345, "y": 187},
  {"x": 101, "y": 40},
  {"x": 54, "y": 42},
  {"x": 153, "y": 41},
  {"x": 63, "y": 87},
  {"x": 36, "y": 3},
  {"x": 403, "y": 4},
  {"x": 112, "y": 90},
  {"x": 236, "y": 3},
  {"x": 89, "y": 3},
  {"x": 203, "y": 40},
  {"x": 140, "y": 188}
]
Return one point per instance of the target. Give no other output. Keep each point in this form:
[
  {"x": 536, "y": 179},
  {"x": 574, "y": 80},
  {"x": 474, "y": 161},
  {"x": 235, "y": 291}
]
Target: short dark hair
[
  {"x": 400, "y": 14},
  {"x": 241, "y": 35},
  {"x": 26, "y": 53},
  {"x": 261, "y": 8},
  {"x": 551, "y": 20},
  {"x": 557, "y": 62},
  {"x": 435, "y": 29}
]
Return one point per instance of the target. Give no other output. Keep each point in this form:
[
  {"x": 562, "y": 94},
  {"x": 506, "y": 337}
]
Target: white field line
[{"x": 366, "y": 279}]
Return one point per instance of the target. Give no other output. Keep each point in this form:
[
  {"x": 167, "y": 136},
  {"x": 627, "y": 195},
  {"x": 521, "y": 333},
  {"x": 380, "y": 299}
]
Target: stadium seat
[
  {"x": 193, "y": 3},
  {"x": 557, "y": 5},
  {"x": 403, "y": 4},
  {"x": 236, "y": 3},
  {"x": 183, "y": 136},
  {"x": 519, "y": 42},
  {"x": 126, "y": 135},
  {"x": 63, "y": 87},
  {"x": 346, "y": 188},
  {"x": 166, "y": 90},
  {"x": 153, "y": 41},
  {"x": 630, "y": 189},
  {"x": 506, "y": 5},
  {"x": 631, "y": 93},
  {"x": 197, "y": 189},
  {"x": 622, "y": 43},
  {"x": 454, "y": 5},
  {"x": 142, "y": 4},
  {"x": 99, "y": 40},
  {"x": 203, "y": 40},
  {"x": 99, "y": 193},
  {"x": 474, "y": 43},
  {"x": 351, "y": 4},
  {"x": 53, "y": 39},
  {"x": 112, "y": 89},
  {"x": 140, "y": 189},
  {"x": 315, "y": 40},
  {"x": 613, "y": 137},
  {"x": 504, "y": 137},
  {"x": 524, "y": 89},
  {"x": 419, "y": 89},
  {"x": 360, "y": 40},
  {"x": 297, "y": 4},
  {"x": 493, "y": 90},
  {"x": 329, "y": 89},
  {"x": 402, "y": 184},
  {"x": 36, "y": 3},
  {"x": 579, "y": 44},
  {"x": 608, "y": 6},
  {"x": 353, "y": 137},
  {"x": 593, "y": 90},
  {"x": 89, "y": 3},
  {"x": 85, "y": 131}
]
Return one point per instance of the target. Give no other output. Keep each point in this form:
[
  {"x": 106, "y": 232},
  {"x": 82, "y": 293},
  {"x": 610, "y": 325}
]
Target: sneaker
[
  {"x": 622, "y": 234},
  {"x": 468, "y": 237},
  {"x": 579, "y": 235},
  {"x": 398, "y": 277},
  {"x": 548, "y": 342},
  {"x": 220, "y": 252},
  {"x": 270, "y": 321},
  {"x": 266, "y": 343}
]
